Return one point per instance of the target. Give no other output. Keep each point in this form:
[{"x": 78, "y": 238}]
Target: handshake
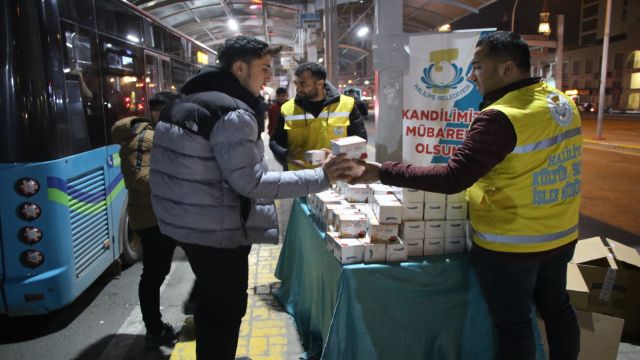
[{"x": 354, "y": 171}]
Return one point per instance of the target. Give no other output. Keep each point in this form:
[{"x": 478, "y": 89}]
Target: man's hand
[
  {"x": 339, "y": 167},
  {"x": 365, "y": 172},
  {"x": 296, "y": 162}
]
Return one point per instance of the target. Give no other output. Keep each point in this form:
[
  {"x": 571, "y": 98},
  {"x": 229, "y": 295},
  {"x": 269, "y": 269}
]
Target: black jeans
[
  {"x": 157, "y": 253},
  {"x": 511, "y": 287},
  {"x": 222, "y": 277}
]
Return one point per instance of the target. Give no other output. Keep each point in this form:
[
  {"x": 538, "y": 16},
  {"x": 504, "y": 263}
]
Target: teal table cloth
[{"x": 429, "y": 308}]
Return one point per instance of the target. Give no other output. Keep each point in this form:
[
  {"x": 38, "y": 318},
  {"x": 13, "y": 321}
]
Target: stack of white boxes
[
  {"x": 412, "y": 227},
  {"x": 435, "y": 206},
  {"x": 455, "y": 230},
  {"x": 388, "y": 211}
]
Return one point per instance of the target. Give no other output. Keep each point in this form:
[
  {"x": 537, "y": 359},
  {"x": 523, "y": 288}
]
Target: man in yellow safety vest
[
  {"x": 520, "y": 164},
  {"x": 317, "y": 115}
]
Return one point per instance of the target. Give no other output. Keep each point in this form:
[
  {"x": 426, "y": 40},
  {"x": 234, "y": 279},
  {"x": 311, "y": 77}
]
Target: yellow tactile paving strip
[{"x": 267, "y": 331}]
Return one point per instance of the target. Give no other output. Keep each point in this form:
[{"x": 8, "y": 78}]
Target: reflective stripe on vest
[
  {"x": 322, "y": 115},
  {"x": 525, "y": 239},
  {"x": 543, "y": 144}
]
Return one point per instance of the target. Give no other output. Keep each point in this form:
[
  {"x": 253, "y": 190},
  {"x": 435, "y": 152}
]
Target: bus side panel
[
  {"x": 76, "y": 225},
  {"x": 118, "y": 194}
]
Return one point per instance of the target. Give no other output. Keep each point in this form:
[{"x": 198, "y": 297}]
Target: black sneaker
[{"x": 167, "y": 336}]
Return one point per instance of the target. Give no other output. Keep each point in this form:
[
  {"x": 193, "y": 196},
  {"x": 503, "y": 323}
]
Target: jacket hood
[
  {"x": 214, "y": 78},
  {"x": 126, "y": 128},
  {"x": 332, "y": 95}
]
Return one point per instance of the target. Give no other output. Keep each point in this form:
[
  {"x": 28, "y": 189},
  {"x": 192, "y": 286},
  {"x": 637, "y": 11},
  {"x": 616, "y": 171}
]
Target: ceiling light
[
  {"x": 233, "y": 24},
  {"x": 320, "y": 60},
  {"x": 364, "y": 30}
]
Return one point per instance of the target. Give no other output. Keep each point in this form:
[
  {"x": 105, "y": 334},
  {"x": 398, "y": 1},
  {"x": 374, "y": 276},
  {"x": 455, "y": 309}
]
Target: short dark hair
[
  {"x": 316, "y": 70},
  {"x": 507, "y": 45},
  {"x": 244, "y": 48},
  {"x": 281, "y": 90},
  {"x": 159, "y": 100}
]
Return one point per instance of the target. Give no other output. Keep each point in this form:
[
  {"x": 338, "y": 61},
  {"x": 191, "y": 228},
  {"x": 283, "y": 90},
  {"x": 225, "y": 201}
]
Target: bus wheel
[{"x": 130, "y": 243}]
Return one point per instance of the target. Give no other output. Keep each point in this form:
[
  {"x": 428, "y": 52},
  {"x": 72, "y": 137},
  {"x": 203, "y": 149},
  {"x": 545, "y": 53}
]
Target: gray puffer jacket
[{"x": 210, "y": 183}]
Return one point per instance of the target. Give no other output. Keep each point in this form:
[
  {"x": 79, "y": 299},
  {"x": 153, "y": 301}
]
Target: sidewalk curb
[{"x": 610, "y": 144}]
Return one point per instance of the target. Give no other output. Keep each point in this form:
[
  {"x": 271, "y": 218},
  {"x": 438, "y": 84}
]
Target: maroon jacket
[{"x": 274, "y": 114}]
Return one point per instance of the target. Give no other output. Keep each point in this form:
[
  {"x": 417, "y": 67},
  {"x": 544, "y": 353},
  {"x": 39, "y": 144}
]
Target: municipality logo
[
  {"x": 443, "y": 78},
  {"x": 560, "y": 109}
]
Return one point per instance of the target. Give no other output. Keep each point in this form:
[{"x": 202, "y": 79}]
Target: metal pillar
[
  {"x": 559, "y": 51},
  {"x": 389, "y": 62},
  {"x": 330, "y": 40},
  {"x": 603, "y": 70}
]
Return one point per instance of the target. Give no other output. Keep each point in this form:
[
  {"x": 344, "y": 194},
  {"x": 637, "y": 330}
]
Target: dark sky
[{"x": 527, "y": 17}]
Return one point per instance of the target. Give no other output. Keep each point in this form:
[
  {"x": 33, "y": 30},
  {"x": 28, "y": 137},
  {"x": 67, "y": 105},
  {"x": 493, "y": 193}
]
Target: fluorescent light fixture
[
  {"x": 133, "y": 38},
  {"x": 233, "y": 24},
  {"x": 364, "y": 30},
  {"x": 320, "y": 60},
  {"x": 366, "y": 82}
]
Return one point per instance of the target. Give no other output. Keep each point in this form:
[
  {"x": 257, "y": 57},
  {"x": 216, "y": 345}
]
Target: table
[{"x": 429, "y": 308}]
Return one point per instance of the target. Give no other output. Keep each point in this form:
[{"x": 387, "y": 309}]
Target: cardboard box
[
  {"x": 356, "y": 193},
  {"x": 434, "y": 229},
  {"x": 387, "y": 208},
  {"x": 381, "y": 189},
  {"x": 331, "y": 239},
  {"x": 456, "y": 210},
  {"x": 315, "y": 157},
  {"x": 455, "y": 228},
  {"x": 415, "y": 247},
  {"x": 349, "y": 251},
  {"x": 412, "y": 229},
  {"x": 599, "y": 336},
  {"x": 374, "y": 252},
  {"x": 457, "y": 197},
  {"x": 396, "y": 251},
  {"x": 434, "y": 210},
  {"x": 434, "y": 246},
  {"x": 354, "y": 146},
  {"x": 412, "y": 211},
  {"x": 434, "y": 197},
  {"x": 411, "y": 196},
  {"x": 454, "y": 245},
  {"x": 613, "y": 278},
  {"x": 352, "y": 225},
  {"x": 577, "y": 287}
]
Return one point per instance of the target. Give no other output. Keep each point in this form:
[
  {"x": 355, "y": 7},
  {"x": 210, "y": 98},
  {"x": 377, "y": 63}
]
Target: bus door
[{"x": 157, "y": 73}]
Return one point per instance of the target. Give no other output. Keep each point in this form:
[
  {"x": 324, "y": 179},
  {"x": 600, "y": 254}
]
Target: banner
[{"x": 439, "y": 102}]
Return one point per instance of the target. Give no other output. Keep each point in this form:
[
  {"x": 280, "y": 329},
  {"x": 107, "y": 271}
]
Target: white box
[
  {"x": 455, "y": 228},
  {"x": 412, "y": 229},
  {"x": 434, "y": 229},
  {"x": 374, "y": 252},
  {"x": 434, "y": 246},
  {"x": 454, "y": 245},
  {"x": 380, "y": 189},
  {"x": 434, "y": 197},
  {"x": 415, "y": 247},
  {"x": 354, "y": 146},
  {"x": 411, "y": 196},
  {"x": 456, "y": 211},
  {"x": 412, "y": 211},
  {"x": 357, "y": 193},
  {"x": 349, "y": 251},
  {"x": 387, "y": 208},
  {"x": 396, "y": 251},
  {"x": 315, "y": 157},
  {"x": 331, "y": 239},
  {"x": 457, "y": 197},
  {"x": 332, "y": 220},
  {"x": 351, "y": 225},
  {"x": 378, "y": 232},
  {"x": 435, "y": 210}
]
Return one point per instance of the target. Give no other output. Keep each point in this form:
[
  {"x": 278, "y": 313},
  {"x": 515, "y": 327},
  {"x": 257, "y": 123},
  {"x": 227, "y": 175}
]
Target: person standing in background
[{"x": 282, "y": 96}]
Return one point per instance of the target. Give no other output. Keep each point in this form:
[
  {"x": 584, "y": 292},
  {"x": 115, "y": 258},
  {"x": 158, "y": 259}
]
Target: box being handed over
[
  {"x": 315, "y": 157},
  {"x": 354, "y": 146}
]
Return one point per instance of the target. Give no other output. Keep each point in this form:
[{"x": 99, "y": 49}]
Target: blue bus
[{"x": 70, "y": 69}]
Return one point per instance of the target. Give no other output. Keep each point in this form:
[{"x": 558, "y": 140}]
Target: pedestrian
[
  {"x": 135, "y": 136},
  {"x": 282, "y": 96},
  {"x": 212, "y": 190},
  {"x": 317, "y": 115},
  {"x": 361, "y": 105},
  {"x": 520, "y": 163}
]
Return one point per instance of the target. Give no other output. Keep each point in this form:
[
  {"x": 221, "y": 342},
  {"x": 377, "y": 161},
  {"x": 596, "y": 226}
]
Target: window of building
[
  {"x": 588, "y": 66},
  {"x": 576, "y": 84},
  {"x": 617, "y": 61},
  {"x": 588, "y": 39},
  {"x": 633, "y": 61},
  {"x": 589, "y": 25},
  {"x": 590, "y": 11},
  {"x": 576, "y": 67},
  {"x": 634, "y": 84}
]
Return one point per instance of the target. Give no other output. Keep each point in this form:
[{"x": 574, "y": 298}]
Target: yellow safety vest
[
  {"x": 530, "y": 201},
  {"x": 306, "y": 132}
]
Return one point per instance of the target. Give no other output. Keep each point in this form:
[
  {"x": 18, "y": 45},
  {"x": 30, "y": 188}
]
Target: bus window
[
  {"x": 80, "y": 11},
  {"x": 123, "y": 82},
  {"x": 115, "y": 18},
  {"x": 165, "y": 79},
  {"x": 84, "y": 110},
  {"x": 152, "y": 75},
  {"x": 180, "y": 73}
]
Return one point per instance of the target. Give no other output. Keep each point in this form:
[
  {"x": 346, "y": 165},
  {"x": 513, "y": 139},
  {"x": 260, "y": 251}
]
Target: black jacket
[{"x": 279, "y": 143}]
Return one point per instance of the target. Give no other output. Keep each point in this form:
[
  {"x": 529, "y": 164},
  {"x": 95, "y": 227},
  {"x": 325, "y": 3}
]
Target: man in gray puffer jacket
[{"x": 212, "y": 190}]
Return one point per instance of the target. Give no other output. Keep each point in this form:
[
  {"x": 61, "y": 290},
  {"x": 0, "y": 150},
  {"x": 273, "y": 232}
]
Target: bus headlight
[
  {"x": 31, "y": 258},
  {"x": 27, "y": 187},
  {"x": 29, "y": 211},
  {"x": 30, "y": 235}
]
